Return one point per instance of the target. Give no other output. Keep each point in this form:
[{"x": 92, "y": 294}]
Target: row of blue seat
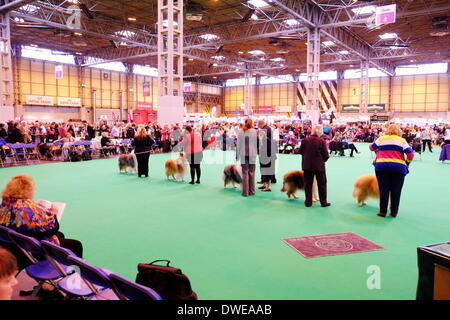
[{"x": 71, "y": 275}]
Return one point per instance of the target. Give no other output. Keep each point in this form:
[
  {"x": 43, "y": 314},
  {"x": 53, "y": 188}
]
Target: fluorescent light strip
[{"x": 388, "y": 36}]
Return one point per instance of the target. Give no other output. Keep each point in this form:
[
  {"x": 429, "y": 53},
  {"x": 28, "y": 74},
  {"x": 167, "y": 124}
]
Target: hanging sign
[
  {"x": 146, "y": 89},
  {"x": 187, "y": 86},
  {"x": 386, "y": 14},
  {"x": 58, "y": 72}
]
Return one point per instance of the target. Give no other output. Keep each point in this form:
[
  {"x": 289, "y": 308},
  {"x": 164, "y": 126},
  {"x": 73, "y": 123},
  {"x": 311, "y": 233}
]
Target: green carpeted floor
[{"x": 230, "y": 246}]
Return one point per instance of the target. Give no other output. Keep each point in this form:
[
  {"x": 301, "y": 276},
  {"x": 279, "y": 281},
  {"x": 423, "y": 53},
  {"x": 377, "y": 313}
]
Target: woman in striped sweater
[{"x": 391, "y": 167}]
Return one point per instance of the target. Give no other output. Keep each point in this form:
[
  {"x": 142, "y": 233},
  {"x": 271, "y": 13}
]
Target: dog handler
[{"x": 391, "y": 167}]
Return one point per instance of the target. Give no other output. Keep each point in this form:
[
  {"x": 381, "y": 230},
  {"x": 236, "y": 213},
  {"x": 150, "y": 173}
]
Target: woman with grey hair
[
  {"x": 314, "y": 155},
  {"x": 246, "y": 152}
]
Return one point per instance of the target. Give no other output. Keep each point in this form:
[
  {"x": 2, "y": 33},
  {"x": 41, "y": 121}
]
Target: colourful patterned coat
[{"x": 29, "y": 218}]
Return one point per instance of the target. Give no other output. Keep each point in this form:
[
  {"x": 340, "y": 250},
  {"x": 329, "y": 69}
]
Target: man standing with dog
[{"x": 314, "y": 155}]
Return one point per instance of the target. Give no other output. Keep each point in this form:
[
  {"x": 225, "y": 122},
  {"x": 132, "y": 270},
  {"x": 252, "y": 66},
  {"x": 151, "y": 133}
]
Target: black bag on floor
[{"x": 169, "y": 282}]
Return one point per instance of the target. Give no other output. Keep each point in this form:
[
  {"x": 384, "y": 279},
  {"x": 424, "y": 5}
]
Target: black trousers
[
  {"x": 321, "y": 178},
  {"x": 194, "y": 160},
  {"x": 425, "y": 142},
  {"x": 350, "y": 146},
  {"x": 142, "y": 160},
  {"x": 390, "y": 183}
]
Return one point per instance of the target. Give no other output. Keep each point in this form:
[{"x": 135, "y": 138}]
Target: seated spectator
[
  {"x": 21, "y": 213},
  {"x": 8, "y": 270},
  {"x": 106, "y": 143},
  {"x": 291, "y": 142}
]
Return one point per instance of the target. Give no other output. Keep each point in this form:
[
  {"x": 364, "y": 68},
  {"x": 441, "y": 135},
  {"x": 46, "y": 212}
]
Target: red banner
[{"x": 263, "y": 109}]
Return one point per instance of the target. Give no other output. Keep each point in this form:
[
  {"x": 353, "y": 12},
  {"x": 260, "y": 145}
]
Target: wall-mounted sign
[
  {"x": 386, "y": 14},
  {"x": 146, "y": 89},
  {"x": 283, "y": 109},
  {"x": 144, "y": 106},
  {"x": 265, "y": 109},
  {"x": 58, "y": 72},
  {"x": 379, "y": 118},
  {"x": 350, "y": 108},
  {"x": 69, "y": 102},
  {"x": 39, "y": 100},
  {"x": 376, "y": 107}
]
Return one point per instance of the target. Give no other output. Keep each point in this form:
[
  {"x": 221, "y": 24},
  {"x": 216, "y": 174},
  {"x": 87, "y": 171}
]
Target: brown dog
[
  {"x": 177, "y": 168},
  {"x": 293, "y": 181},
  {"x": 364, "y": 187}
]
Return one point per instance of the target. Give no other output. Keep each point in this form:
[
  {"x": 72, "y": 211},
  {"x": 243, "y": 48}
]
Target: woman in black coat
[{"x": 142, "y": 144}]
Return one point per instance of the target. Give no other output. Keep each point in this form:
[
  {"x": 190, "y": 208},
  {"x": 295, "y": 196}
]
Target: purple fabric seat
[
  {"x": 42, "y": 270},
  {"x": 97, "y": 279}
]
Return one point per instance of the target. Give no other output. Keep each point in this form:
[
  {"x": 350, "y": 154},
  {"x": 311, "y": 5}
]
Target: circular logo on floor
[{"x": 334, "y": 245}]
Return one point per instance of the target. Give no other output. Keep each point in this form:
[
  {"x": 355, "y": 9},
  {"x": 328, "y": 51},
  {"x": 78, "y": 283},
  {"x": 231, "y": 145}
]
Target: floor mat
[{"x": 331, "y": 244}]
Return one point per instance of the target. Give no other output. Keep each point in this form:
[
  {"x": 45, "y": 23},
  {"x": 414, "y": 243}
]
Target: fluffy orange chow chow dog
[
  {"x": 177, "y": 168},
  {"x": 364, "y": 187},
  {"x": 293, "y": 181}
]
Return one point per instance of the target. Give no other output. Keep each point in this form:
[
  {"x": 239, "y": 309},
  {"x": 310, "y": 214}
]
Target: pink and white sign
[
  {"x": 69, "y": 102},
  {"x": 386, "y": 14},
  {"x": 39, "y": 100},
  {"x": 58, "y": 72},
  {"x": 187, "y": 86},
  {"x": 144, "y": 106}
]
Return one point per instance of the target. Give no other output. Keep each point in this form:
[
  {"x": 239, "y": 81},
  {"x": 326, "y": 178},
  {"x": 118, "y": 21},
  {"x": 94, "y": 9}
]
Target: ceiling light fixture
[
  {"x": 292, "y": 22},
  {"x": 328, "y": 43},
  {"x": 364, "y": 10},
  {"x": 256, "y": 52},
  {"x": 258, "y": 3},
  {"x": 209, "y": 36},
  {"x": 386, "y": 36}
]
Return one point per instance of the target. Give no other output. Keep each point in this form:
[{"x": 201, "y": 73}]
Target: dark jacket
[
  {"x": 266, "y": 145},
  {"x": 314, "y": 154},
  {"x": 16, "y": 136},
  {"x": 142, "y": 144}
]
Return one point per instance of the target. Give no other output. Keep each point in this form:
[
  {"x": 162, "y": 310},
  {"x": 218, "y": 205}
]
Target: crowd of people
[
  {"x": 254, "y": 143},
  {"x": 166, "y": 137}
]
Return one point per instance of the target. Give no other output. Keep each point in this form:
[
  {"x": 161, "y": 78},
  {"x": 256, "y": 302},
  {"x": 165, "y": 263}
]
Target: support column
[
  {"x": 170, "y": 62},
  {"x": 6, "y": 80},
  {"x": 130, "y": 89},
  {"x": 248, "y": 92},
  {"x": 256, "y": 98},
  {"x": 364, "y": 86},
  {"x": 312, "y": 70},
  {"x": 81, "y": 72},
  {"x": 340, "y": 77}
]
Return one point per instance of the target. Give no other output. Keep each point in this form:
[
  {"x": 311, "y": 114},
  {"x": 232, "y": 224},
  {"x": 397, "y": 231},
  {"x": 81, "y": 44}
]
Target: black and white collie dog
[
  {"x": 232, "y": 174},
  {"x": 128, "y": 162}
]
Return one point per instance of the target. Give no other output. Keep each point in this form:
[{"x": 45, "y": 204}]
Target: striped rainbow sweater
[{"x": 391, "y": 154}]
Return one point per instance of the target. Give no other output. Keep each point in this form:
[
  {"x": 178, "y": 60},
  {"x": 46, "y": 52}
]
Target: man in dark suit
[{"x": 314, "y": 155}]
